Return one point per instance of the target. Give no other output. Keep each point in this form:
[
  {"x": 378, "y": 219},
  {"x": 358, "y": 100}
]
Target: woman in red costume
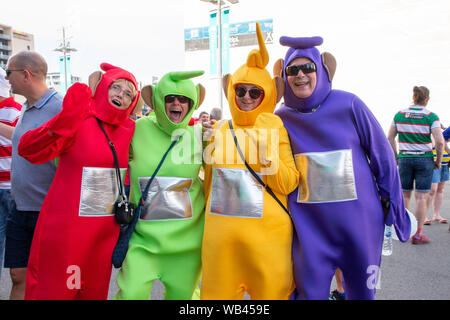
[{"x": 76, "y": 232}]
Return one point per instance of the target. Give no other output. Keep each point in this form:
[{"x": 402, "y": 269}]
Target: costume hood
[
  {"x": 253, "y": 72},
  {"x": 176, "y": 83},
  {"x": 101, "y": 107},
  {"x": 306, "y": 47}
]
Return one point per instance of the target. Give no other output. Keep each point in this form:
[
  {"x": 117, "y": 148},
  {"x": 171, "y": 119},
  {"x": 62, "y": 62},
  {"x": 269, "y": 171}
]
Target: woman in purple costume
[{"x": 349, "y": 178}]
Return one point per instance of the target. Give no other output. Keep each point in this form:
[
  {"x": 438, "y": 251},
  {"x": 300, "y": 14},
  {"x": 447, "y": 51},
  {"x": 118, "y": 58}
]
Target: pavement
[{"x": 412, "y": 272}]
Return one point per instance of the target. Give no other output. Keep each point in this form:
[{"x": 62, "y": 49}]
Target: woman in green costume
[{"x": 166, "y": 243}]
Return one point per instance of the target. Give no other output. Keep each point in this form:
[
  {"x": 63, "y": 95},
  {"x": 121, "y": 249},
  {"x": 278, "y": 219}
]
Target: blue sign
[
  {"x": 62, "y": 75},
  {"x": 213, "y": 43},
  {"x": 239, "y": 28}
]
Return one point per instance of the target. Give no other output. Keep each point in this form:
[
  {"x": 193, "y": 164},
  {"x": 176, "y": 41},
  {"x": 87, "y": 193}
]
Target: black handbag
[
  {"x": 123, "y": 210},
  {"x": 265, "y": 186},
  {"x": 126, "y": 230}
]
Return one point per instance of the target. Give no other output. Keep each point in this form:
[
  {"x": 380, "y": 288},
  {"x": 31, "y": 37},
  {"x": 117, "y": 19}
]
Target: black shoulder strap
[
  {"x": 147, "y": 187},
  {"x": 269, "y": 191},
  {"x": 116, "y": 162}
]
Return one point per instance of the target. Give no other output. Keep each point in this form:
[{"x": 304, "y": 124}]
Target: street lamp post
[
  {"x": 219, "y": 45},
  {"x": 65, "y": 49}
]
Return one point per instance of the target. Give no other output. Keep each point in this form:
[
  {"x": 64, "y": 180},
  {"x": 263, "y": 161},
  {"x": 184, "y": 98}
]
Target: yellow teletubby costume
[{"x": 248, "y": 236}]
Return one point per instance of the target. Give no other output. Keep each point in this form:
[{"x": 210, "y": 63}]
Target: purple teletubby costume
[{"x": 346, "y": 164}]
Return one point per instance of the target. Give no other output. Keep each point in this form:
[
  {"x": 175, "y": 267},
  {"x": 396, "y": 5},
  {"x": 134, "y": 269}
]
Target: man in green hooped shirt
[
  {"x": 415, "y": 125},
  {"x": 166, "y": 243}
]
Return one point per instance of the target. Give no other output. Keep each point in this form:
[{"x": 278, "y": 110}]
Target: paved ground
[{"x": 412, "y": 272}]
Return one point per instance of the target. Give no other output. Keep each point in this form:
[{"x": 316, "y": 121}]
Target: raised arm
[{"x": 55, "y": 137}]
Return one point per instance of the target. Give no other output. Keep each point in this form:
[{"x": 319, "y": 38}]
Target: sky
[{"x": 383, "y": 47}]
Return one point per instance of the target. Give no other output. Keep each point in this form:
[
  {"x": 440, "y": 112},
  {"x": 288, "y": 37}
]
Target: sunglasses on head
[
  {"x": 306, "y": 68},
  {"x": 254, "y": 93},
  {"x": 171, "y": 98}
]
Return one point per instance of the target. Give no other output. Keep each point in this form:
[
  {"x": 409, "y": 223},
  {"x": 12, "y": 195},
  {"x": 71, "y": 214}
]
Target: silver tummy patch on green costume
[{"x": 167, "y": 199}]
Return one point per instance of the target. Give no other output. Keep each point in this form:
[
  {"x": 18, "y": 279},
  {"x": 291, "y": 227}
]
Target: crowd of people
[{"x": 257, "y": 204}]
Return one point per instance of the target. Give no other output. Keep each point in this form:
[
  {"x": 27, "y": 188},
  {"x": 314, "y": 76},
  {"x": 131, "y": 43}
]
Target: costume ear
[
  {"x": 278, "y": 68},
  {"x": 139, "y": 105},
  {"x": 225, "y": 83},
  {"x": 201, "y": 94},
  {"x": 279, "y": 84},
  {"x": 147, "y": 95},
  {"x": 94, "y": 80},
  {"x": 330, "y": 64}
]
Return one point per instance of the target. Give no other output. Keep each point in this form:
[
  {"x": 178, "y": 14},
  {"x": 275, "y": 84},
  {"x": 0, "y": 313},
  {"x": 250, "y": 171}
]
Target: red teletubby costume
[{"x": 76, "y": 232}]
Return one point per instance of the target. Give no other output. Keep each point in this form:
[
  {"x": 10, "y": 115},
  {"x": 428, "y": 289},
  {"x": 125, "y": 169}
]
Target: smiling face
[
  {"x": 121, "y": 93},
  {"x": 177, "y": 107},
  {"x": 248, "y": 96},
  {"x": 303, "y": 84}
]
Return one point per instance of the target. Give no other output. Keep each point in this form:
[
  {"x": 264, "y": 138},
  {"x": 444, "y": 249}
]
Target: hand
[
  {"x": 385, "y": 204},
  {"x": 74, "y": 111},
  {"x": 207, "y": 129},
  {"x": 268, "y": 128},
  {"x": 437, "y": 165}
]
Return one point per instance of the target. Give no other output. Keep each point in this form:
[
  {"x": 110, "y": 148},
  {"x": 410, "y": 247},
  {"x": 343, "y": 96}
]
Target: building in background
[
  {"x": 54, "y": 81},
  {"x": 13, "y": 41}
]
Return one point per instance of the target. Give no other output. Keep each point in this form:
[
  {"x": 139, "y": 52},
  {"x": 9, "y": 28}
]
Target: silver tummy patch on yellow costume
[
  {"x": 167, "y": 199},
  {"x": 99, "y": 191},
  {"x": 236, "y": 193},
  {"x": 326, "y": 176}
]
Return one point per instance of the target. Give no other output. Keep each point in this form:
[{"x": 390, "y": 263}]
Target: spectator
[
  {"x": 166, "y": 243},
  {"x": 440, "y": 177},
  {"x": 346, "y": 167},
  {"x": 26, "y": 72},
  {"x": 203, "y": 117},
  {"x": 247, "y": 242},
  {"x": 415, "y": 125},
  {"x": 216, "y": 114},
  {"x": 77, "y": 231},
  {"x": 9, "y": 114}
]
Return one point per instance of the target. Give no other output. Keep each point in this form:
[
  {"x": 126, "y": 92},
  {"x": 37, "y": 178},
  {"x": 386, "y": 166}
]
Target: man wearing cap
[
  {"x": 26, "y": 72},
  {"x": 9, "y": 114}
]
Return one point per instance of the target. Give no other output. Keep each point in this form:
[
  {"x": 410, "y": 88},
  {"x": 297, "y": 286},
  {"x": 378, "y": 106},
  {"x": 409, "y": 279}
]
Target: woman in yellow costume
[{"x": 248, "y": 235}]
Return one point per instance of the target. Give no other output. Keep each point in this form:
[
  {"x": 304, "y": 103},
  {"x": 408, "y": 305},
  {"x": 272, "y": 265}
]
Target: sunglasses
[
  {"x": 8, "y": 72},
  {"x": 171, "y": 98},
  {"x": 306, "y": 68},
  {"x": 254, "y": 93}
]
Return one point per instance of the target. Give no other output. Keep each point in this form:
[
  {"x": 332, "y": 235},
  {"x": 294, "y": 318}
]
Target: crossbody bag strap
[
  {"x": 147, "y": 187},
  {"x": 116, "y": 162},
  {"x": 255, "y": 175}
]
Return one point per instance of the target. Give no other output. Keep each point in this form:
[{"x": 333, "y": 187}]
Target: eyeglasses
[
  {"x": 171, "y": 98},
  {"x": 8, "y": 72},
  {"x": 254, "y": 93},
  {"x": 306, "y": 68},
  {"x": 117, "y": 89}
]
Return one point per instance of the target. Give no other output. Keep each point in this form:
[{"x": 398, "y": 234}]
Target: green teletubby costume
[{"x": 166, "y": 243}]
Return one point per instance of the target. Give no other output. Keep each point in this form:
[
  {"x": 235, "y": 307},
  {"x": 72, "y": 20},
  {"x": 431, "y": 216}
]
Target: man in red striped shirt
[{"x": 9, "y": 115}]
